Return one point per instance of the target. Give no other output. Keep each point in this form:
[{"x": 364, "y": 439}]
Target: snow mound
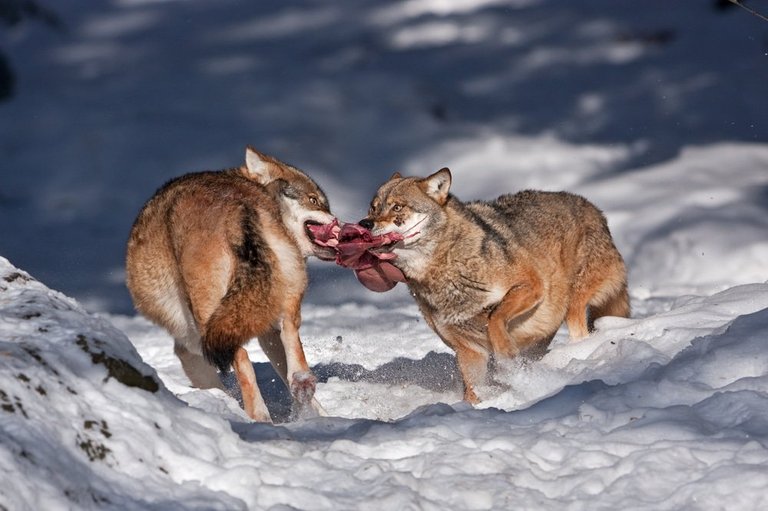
[
  {"x": 682, "y": 227},
  {"x": 663, "y": 412},
  {"x": 85, "y": 424}
]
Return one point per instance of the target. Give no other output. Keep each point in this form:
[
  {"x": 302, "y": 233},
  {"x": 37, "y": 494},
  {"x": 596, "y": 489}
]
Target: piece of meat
[
  {"x": 380, "y": 277},
  {"x": 353, "y": 244},
  {"x": 325, "y": 235}
]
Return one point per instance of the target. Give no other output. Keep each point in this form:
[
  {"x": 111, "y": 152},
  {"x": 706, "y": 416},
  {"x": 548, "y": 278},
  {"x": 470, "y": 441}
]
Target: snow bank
[
  {"x": 684, "y": 228},
  {"x": 665, "y": 412},
  {"x": 85, "y": 423}
]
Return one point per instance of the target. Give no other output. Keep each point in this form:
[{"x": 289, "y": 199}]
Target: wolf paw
[
  {"x": 470, "y": 396},
  {"x": 303, "y": 387},
  {"x": 303, "y": 384},
  {"x": 498, "y": 363}
]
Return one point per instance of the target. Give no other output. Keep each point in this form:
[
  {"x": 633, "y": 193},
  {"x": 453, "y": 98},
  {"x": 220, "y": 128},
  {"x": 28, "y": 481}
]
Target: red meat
[{"x": 355, "y": 248}]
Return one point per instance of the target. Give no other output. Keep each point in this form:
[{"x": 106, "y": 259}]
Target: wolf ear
[
  {"x": 260, "y": 167},
  {"x": 437, "y": 185},
  {"x": 396, "y": 175}
]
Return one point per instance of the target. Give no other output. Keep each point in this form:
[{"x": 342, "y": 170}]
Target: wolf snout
[{"x": 366, "y": 223}]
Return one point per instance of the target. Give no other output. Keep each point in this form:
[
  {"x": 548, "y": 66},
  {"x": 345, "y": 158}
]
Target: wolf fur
[
  {"x": 495, "y": 279},
  {"x": 218, "y": 258}
]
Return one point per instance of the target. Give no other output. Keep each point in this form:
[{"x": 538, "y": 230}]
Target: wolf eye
[
  {"x": 313, "y": 201},
  {"x": 397, "y": 207}
]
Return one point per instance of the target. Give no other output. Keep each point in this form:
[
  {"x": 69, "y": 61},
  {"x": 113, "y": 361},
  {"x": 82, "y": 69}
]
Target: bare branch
[{"x": 752, "y": 11}]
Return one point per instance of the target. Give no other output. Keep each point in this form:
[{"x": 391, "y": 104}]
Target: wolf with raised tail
[
  {"x": 218, "y": 258},
  {"x": 495, "y": 279}
]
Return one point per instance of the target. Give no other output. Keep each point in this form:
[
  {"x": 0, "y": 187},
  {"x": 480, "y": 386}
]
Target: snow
[
  {"x": 662, "y": 412},
  {"x": 657, "y": 122}
]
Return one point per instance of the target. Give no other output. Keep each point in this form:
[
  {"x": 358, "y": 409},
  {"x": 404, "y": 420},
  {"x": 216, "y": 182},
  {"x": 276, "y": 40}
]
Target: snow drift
[{"x": 665, "y": 412}]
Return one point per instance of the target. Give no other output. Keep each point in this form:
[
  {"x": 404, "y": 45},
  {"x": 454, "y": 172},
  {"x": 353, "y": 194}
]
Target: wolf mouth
[
  {"x": 323, "y": 253},
  {"x": 308, "y": 231}
]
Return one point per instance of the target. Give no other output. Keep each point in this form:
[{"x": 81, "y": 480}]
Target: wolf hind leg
[
  {"x": 539, "y": 347},
  {"x": 576, "y": 317},
  {"x": 253, "y": 402},
  {"x": 187, "y": 347},
  {"x": 200, "y": 373},
  {"x": 601, "y": 291},
  {"x": 612, "y": 302}
]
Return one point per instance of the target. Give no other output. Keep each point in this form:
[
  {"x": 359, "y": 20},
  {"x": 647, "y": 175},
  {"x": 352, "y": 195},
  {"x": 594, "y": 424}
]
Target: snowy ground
[
  {"x": 654, "y": 118},
  {"x": 663, "y": 412}
]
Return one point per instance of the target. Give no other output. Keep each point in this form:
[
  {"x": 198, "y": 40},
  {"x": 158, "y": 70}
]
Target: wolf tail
[{"x": 244, "y": 311}]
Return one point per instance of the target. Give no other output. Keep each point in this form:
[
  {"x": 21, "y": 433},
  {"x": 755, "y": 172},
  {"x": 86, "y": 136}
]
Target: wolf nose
[{"x": 366, "y": 223}]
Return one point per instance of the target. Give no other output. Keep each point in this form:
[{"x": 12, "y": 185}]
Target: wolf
[
  {"x": 496, "y": 279},
  {"x": 218, "y": 258}
]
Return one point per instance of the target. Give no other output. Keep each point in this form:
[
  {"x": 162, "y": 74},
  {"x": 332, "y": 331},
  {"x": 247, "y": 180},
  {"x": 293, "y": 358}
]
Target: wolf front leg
[
  {"x": 473, "y": 365},
  {"x": 301, "y": 381},
  {"x": 471, "y": 357},
  {"x": 272, "y": 345},
  {"x": 519, "y": 301}
]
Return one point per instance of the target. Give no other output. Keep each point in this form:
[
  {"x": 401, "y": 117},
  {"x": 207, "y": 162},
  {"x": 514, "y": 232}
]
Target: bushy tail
[
  {"x": 236, "y": 321},
  {"x": 219, "y": 348},
  {"x": 245, "y": 311}
]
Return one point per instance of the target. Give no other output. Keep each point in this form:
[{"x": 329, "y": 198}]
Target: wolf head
[
  {"x": 301, "y": 200},
  {"x": 411, "y": 206}
]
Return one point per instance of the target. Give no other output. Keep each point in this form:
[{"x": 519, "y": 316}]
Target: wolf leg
[
  {"x": 520, "y": 300},
  {"x": 603, "y": 294},
  {"x": 473, "y": 366},
  {"x": 471, "y": 358},
  {"x": 202, "y": 374},
  {"x": 613, "y": 304},
  {"x": 603, "y": 298},
  {"x": 301, "y": 381},
  {"x": 272, "y": 345},
  {"x": 253, "y": 402},
  {"x": 231, "y": 326},
  {"x": 576, "y": 318},
  {"x": 601, "y": 289},
  {"x": 187, "y": 345}
]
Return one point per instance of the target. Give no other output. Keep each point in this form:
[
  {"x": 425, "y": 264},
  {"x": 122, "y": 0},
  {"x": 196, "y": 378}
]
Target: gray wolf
[{"x": 495, "y": 279}]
